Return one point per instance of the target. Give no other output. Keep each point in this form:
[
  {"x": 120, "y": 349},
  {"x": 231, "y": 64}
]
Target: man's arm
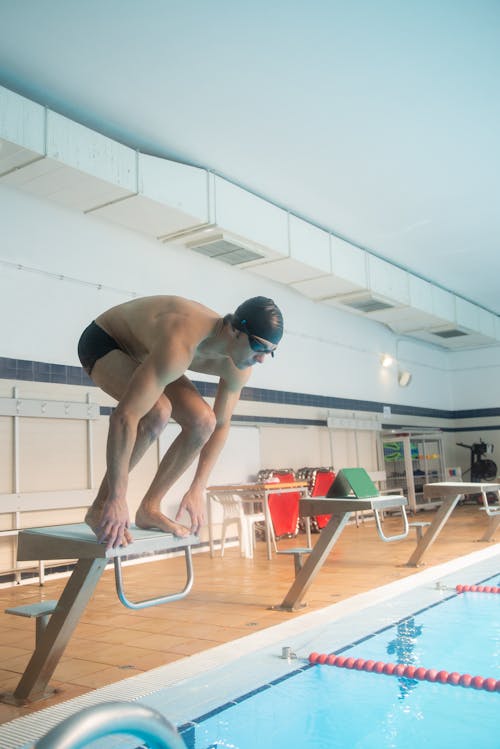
[{"x": 194, "y": 499}]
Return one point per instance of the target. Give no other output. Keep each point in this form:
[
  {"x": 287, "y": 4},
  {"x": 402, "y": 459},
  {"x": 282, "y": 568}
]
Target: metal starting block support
[
  {"x": 58, "y": 622},
  {"x": 340, "y": 509}
]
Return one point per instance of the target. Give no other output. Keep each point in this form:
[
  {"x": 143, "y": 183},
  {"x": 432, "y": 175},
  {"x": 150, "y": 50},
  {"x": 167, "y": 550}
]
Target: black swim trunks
[{"x": 94, "y": 343}]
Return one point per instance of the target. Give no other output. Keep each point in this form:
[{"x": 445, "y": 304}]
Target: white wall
[
  {"x": 239, "y": 462},
  {"x": 475, "y": 378},
  {"x": 59, "y": 269},
  {"x": 325, "y": 351},
  {"x": 294, "y": 447}
]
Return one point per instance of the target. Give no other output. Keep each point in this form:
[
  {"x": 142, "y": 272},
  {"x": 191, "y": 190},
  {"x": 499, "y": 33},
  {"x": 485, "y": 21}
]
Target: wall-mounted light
[
  {"x": 386, "y": 360},
  {"x": 404, "y": 378}
]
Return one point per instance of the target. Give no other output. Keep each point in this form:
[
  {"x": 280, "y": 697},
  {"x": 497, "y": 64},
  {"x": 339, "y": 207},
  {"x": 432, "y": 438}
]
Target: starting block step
[
  {"x": 297, "y": 554},
  {"x": 41, "y": 612},
  {"x": 33, "y": 610},
  {"x": 419, "y": 527}
]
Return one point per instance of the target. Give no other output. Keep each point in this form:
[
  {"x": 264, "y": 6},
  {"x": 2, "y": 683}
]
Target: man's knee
[
  {"x": 155, "y": 421},
  {"x": 201, "y": 425}
]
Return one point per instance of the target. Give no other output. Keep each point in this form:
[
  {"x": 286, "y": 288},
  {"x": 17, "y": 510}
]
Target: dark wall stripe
[{"x": 21, "y": 369}]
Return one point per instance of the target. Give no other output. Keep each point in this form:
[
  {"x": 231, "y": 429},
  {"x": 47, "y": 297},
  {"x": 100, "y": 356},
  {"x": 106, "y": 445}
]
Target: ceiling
[{"x": 377, "y": 121}]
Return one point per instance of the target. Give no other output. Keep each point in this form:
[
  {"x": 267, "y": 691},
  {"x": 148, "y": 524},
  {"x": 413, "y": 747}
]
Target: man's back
[{"x": 137, "y": 326}]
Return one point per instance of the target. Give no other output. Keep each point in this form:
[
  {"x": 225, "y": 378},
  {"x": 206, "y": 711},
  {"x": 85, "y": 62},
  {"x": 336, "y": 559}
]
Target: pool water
[
  {"x": 244, "y": 694},
  {"x": 328, "y": 707}
]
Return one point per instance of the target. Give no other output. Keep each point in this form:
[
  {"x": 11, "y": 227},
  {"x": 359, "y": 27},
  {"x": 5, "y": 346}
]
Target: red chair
[
  {"x": 284, "y": 508},
  {"x": 321, "y": 483}
]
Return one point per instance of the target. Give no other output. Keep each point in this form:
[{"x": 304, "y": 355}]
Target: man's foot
[
  {"x": 149, "y": 519},
  {"x": 93, "y": 519}
]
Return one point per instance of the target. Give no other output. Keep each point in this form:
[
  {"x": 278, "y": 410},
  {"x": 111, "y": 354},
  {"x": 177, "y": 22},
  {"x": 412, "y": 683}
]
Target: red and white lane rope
[
  {"x": 410, "y": 672},
  {"x": 477, "y": 589}
]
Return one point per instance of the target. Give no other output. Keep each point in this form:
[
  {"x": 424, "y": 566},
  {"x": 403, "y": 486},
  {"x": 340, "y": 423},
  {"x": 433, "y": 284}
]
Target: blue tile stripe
[{"x": 33, "y": 371}]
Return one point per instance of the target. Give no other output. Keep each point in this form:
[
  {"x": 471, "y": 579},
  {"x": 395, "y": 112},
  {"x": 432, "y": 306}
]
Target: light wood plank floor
[{"x": 231, "y": 597}]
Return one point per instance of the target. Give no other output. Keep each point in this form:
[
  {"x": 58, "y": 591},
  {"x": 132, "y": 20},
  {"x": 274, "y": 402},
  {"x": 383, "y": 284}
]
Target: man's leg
[
  {"x": 150, "y": 428},
  {"x": 197, "y": 422},
  {"x": 112, "y": 374}
]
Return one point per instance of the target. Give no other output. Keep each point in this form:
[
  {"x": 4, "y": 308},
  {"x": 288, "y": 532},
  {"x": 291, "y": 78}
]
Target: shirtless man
[{"x": 138, "y": 352}]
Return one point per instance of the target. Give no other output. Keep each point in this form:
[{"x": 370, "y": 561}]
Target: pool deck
[{"x": 231, "y": 598}]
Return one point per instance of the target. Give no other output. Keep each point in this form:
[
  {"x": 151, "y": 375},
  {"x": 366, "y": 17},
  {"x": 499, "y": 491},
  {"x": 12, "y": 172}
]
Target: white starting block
[{"x": 56, "y": 621}]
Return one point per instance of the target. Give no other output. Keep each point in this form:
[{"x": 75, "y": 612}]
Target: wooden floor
[{"x": 231, "y": 597}]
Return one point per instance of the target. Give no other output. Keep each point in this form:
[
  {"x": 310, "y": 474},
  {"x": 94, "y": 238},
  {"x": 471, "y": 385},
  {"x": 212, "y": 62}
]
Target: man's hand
[
  {"x": 193, "y": 503},
  {"x": 114, "y": 524}
]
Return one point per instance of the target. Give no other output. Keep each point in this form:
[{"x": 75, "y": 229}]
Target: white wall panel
[
  {"x": 22, "y": 121},
  {"x": 171, "y": 198},
  {"x": 287, "y": 271},
  {"x": 349, "y": 263},
  {"x": 249, "y": 216},
  {"x": 467, "y": 314},
  {"x": 297, "y": 447},
  {"x": 90, "y": 152},
  {"x": 443, "y": 304},
  {"x": 420, "y": 293},
  {"x": 387, "y": 280},
  {"x": 180, "y": 186},
  {"x": 487, "y": 322},
  {"x": 324, "y": 350},
  {"x": 475, "y": 379},
  {"x": 309, "y": 245}
]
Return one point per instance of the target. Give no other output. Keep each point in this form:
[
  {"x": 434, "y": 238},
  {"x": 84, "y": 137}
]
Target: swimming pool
[
  {"x": 324, "y": 706},
  {"x": 245, "y": 694}
]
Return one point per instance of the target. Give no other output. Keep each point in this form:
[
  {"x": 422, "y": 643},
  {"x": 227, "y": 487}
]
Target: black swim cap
[{"x": 261, "y": 317}]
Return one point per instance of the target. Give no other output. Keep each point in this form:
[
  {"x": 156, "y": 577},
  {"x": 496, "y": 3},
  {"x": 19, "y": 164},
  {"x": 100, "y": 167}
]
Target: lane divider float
[
  {"x": 408, "y": 671},
  {"x": 477, "y": 589}
]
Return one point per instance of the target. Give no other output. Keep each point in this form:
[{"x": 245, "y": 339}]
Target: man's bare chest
[{"x": 205, "y": 365}]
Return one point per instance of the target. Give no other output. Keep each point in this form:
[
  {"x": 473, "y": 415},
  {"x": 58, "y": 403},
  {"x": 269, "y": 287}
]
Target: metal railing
[
  {"x": 397, "y": 536},
  {"x": 108, "y": 719},
  {"x": 158, "y": 599}
]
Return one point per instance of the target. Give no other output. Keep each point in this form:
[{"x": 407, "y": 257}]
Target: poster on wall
[{"x": 394, "y": 451}]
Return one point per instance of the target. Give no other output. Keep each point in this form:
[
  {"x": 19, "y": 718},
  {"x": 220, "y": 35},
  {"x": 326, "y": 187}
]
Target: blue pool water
[
  {"x": 326, "y": 707},
  {"x": 244, "y": 694}
]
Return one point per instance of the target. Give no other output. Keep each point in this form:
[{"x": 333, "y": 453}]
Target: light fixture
[
  {"x": 386, "y": 360},
  {"x": 404, "y": 378}
]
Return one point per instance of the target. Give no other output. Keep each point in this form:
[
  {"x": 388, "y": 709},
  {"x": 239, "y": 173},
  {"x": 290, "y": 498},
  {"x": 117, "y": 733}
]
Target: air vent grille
[
  {"x": 227, "y": 252},
  {"x": 451, "y": 333},
  {"x": 367, "y": 304}
]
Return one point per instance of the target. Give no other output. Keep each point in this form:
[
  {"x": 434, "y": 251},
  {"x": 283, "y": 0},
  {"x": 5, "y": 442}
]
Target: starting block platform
[
  {"x": 77, "y": 541},
  {"x": 340, "y": 509}
]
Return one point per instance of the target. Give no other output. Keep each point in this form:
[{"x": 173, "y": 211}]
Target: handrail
[
  {"x": 111, "y": 718},
  {"x": 397, "y": 537},
  {"x": 488, "y": 510},
  {"x": 161, "y": 599}
]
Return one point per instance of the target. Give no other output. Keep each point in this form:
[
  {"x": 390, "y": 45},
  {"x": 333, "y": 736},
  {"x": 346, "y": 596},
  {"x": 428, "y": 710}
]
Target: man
[{"x": 138, "y": 352}]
